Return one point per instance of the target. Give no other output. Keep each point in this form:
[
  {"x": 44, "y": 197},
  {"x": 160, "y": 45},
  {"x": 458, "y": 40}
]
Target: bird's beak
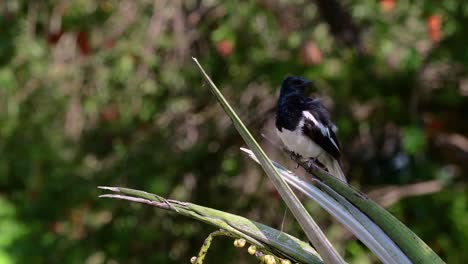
[{"x": 307, "y": 84}]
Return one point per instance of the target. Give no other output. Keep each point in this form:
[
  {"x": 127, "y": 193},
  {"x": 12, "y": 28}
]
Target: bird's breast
[{"x": 296, "y": 141}]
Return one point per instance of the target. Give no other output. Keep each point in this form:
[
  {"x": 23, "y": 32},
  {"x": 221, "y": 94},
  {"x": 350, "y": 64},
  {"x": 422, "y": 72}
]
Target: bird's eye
[{"x": 297, "y": 82}]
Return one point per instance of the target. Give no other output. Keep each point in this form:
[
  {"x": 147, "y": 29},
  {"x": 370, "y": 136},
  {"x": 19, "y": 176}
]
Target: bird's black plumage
[
  {"x": 294, "y": 109},
  {"x": 328, "y": 141}
]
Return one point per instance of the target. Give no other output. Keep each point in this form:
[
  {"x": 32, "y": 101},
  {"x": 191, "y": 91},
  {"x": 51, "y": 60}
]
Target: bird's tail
[{"x": 334, "y": 168}]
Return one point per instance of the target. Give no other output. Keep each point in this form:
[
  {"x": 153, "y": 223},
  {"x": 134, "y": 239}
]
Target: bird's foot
[
  {"x": 294, "y": 156},
  {"x": 312, "y": 164}
]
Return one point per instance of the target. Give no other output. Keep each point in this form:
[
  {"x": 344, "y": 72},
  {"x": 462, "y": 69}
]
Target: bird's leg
[
  {"x": 295, "y": 157},
  {"x": 319, "y": 164}
]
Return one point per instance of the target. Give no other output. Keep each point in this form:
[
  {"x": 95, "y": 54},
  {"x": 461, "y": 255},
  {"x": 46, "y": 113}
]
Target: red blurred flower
[
  {"x": 387, "y": 5},
  {"x": 225, "y": 47},
  {"x": 310, "y": 53},
  {"x": 54, "y": 37},
  {"x": 434, "y": 27},
  {"x": 82, "y": 40},
  {"x": 110, "y": 113}
]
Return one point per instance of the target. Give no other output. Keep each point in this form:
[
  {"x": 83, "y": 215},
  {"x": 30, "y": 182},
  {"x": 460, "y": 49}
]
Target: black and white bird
[{"x": 304, "y": 126}]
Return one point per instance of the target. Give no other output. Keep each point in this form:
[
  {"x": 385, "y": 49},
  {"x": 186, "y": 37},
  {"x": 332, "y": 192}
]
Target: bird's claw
[
  {"x": 294, "y": 156},
  {"x": 311, "y": 164}
]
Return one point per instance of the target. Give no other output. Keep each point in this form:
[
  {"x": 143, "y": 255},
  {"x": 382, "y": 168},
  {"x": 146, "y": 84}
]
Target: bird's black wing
[{"x": 318, "y": 127}]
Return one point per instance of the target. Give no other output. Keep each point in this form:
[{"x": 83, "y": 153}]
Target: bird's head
[{"x": 294, "y": 84}]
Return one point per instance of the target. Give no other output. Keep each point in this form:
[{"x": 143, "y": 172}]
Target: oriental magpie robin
[{"x": 304, "y": 126}]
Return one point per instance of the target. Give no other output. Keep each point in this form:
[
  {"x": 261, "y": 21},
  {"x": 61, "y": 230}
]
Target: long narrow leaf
[
  {"x": 311, "y": 229},
  {"x": 348, "y": 215},
  {"x": 262, "y": 236},
  {"x": 407, "y": 240}
]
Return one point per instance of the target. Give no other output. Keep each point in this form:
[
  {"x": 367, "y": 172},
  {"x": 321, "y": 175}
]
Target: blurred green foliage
[{"x": 104, "y": 93}]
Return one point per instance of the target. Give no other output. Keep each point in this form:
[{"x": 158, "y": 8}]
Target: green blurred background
[{"x": 105, "y": 93}]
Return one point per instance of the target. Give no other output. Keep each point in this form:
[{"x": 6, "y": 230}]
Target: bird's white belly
[{"x": 297, "y": 142}]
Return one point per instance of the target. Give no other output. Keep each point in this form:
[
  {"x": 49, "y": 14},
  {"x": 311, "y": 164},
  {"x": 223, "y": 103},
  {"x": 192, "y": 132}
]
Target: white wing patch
[
  {"x": 318, "y": 124},
  {"x": 325, "y": 131}
]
